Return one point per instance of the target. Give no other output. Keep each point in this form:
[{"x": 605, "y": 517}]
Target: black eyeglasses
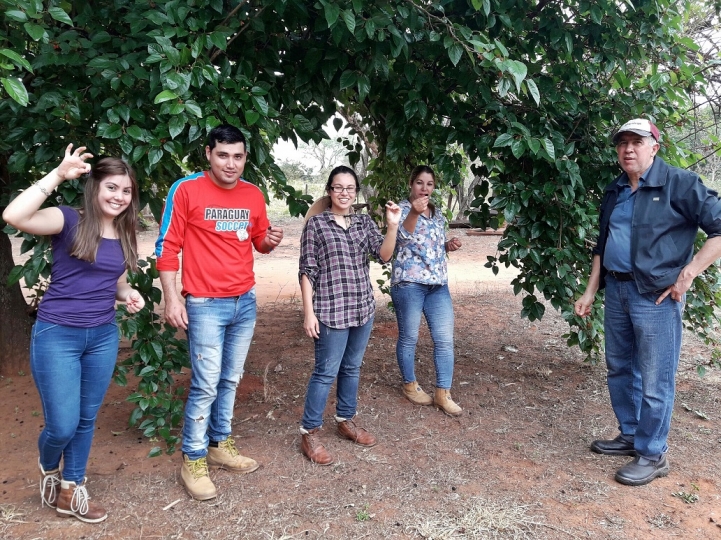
[{"x": 341, "y": 189}]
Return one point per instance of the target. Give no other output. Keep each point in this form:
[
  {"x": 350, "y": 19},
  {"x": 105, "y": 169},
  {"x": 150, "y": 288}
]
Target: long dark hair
[
  {"x": 341, "y": 169},
  {"x": 415, "y": 173},
  {"x": 90, "y": 227}
]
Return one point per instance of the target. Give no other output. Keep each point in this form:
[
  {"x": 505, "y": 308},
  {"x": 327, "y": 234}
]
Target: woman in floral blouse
[{"x": 419, "y": 285}]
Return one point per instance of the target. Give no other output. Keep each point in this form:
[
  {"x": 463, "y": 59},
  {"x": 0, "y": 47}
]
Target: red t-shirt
[{"x": 214, "y": 228}]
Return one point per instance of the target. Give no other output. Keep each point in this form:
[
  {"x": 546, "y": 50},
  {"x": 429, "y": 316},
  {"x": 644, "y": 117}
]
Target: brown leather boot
[
  {"x": 415, "y": 394},
  {"x": 312, "y": 449},
  {"x": 49, "y": 486},
  {"x": 443, "y": 401},
  {"x": 349, "y": 430},
  {"x": 74, "y": 501}
]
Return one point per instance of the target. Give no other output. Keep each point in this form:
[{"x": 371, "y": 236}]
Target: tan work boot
[
  {"x": 443, "y": 401},
  {"x": 415, "y": 394},
  {"x": 194, "y": 476},
  {"x": 74, "y": 501},
  {"x": 312, "y": 449},
  {"x": 49, "y": 486},
  {"x": 226, "y": 456}
]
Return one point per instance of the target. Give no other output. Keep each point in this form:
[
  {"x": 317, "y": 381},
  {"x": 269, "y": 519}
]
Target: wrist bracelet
[{"x": 42, "y": 189}]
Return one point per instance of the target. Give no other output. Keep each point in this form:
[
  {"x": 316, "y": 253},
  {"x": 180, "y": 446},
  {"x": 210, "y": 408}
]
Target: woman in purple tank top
[{"x": 74, "y": 343}]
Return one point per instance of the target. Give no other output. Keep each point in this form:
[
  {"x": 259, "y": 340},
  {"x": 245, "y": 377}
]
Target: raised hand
[
  {"x": 393, "y": 213},
  {"x": 73, "y": 164}
]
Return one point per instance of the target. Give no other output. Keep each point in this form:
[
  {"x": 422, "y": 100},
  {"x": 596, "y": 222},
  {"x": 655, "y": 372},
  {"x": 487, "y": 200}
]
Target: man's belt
[{"x": 621, "y": 276}]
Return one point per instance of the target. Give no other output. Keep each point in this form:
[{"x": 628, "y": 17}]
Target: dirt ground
[{"x": 516, "y": 464}]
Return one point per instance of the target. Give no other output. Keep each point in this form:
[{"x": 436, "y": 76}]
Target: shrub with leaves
[{"x": 157, "y": 355}]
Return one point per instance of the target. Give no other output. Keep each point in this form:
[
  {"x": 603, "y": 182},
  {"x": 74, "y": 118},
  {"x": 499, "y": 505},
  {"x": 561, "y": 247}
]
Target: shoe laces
[
  {"x": 50, "y": 483},
  {"x": 79, "y": 502},
  {"x": 198, "y": 467},
  {"x": 229, "y": 446}
]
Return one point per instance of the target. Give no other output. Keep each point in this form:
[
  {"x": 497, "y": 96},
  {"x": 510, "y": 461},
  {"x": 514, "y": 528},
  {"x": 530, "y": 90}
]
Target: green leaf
[
  {"x": 349, "y": 19},
  {"x": 331, "y": 13},
  {"x": 455, "y": 52},
  {"x": 533, "y": 90},
  {"x": 16, "y": 15},
  {"x": 534, "y": 145},
  {"x": 518, "y": 147},
  {"x": 193, "y": 108},
  {"x": 176, "y": 125},
  {"x": 16, "y": 90},
  {"x": 35, "y": 31},
  {"x": 348, "y": 79},
  {"x": 107, "y": 131},
  {"x": 518, "y": 70},
  {"x": 17, "y": 59},
  {"x": 59, "y": 15},
  {"x": 135, "y": 132},
  {"x": 548, "y": 146},
  {"x": 505, "y": 139},
  {"x": 219, "y": 39},
  {"x": 251, "y": 117},
  {"x": 165, "y": 95},
  {"x": 302, "y": 123},
  {"x": 260, "y": 104}
]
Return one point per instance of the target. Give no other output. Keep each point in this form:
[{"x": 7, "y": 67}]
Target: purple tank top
[{"x": 81, "y": 294}]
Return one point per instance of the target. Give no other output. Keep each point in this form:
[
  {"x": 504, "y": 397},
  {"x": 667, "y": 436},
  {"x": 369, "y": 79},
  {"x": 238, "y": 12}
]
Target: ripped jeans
[{"x": 220, "y": 331}]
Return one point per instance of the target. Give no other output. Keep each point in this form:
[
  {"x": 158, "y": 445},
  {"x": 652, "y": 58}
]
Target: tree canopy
[{"x": 526, "y": 91}]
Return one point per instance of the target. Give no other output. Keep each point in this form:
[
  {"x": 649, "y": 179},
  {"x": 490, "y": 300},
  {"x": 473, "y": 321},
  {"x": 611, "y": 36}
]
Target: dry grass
[{"x": 483, "y": 519}]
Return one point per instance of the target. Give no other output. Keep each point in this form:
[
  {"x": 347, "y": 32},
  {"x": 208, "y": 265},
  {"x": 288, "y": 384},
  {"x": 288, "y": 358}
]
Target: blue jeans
[
  {"x": 434, "y": 301},
  {"x": 338, "y": 353},
  {"x": 72, "y": 368},
  {"x": 643, "y": 344},
  {"x": 220, "y": 331}
]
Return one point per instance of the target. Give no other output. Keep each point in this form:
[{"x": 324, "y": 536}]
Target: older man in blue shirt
[{"x": 649, "y": 218}]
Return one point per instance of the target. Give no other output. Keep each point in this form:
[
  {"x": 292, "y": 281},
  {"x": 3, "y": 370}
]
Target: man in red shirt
[{"x": 213, "y": 217}]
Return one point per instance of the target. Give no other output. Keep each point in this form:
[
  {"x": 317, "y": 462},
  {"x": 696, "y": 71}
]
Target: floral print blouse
[{"x": 421, "y": 255}]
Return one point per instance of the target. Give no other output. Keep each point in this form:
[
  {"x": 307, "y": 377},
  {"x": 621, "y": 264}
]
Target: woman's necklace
[{"x": 346, "y": 217}]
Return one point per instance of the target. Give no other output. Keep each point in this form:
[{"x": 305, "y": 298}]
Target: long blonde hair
[{"x": 90, "y": 227}]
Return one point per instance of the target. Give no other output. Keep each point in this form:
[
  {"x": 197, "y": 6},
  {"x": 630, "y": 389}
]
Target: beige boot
[
  {"x": 194, "y": 476},
  {"x": 226, "y": 456},
  {"x": 415, "y": 394},
  {"x": 443, "y": 401}
]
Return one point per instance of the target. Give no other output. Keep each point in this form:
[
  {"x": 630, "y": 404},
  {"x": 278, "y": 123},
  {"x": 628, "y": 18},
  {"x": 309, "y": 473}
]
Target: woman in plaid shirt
[{"x": 338, "y": 305}]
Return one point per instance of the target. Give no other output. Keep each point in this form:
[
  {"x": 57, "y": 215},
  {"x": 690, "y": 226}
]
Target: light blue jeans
[
  {"x": 72, "y": 368},
  {"x": 410, "y": 300},
  {"x": 220, "y": 331},
  {"x": 338, "y": 353},
  {"x": 643, "y": 344}
]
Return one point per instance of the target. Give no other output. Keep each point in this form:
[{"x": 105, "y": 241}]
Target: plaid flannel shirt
[{"x": 336, "y": 262}]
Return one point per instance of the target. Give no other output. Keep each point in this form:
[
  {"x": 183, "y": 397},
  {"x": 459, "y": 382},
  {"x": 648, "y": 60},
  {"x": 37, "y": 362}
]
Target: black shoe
[
  {"x": 615, "y": 447},
  {"x": 641, "y": 471}
]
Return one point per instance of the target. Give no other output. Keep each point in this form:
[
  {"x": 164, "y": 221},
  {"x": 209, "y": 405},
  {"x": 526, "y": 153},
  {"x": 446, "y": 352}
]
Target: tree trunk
[{"x": 15, "y": 323}]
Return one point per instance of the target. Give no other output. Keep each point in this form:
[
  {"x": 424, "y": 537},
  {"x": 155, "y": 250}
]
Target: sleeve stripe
[{"x": 165, "y": 220}]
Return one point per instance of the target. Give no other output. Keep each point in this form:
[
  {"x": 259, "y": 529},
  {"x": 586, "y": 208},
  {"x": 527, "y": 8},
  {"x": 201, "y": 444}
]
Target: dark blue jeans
[
  {"x": 72, "y": 368},
  {"x": 338, "y": 353}
]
